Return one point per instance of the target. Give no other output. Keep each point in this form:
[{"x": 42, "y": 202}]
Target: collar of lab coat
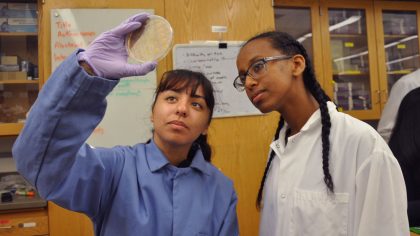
[
  {"x": 313, "y": 121},
  {"x": 157, "y": 160}
]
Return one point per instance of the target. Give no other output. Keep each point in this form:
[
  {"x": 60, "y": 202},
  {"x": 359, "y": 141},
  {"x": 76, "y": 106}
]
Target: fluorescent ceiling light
[
  {"x": 401, "y": 41},
  {"x": 348, "y": 21},
  {"x": 401, "y": 59}
]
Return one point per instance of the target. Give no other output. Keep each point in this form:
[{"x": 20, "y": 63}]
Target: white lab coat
[
  {"x": 403, "y": 86},
  {"x": 370, "y": 195}
]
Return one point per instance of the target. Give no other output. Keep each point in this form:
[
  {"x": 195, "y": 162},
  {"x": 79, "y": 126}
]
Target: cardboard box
[
  {"x": 22, "y": 21},
  {"x": 18, "y": 75},
  {"x": 19, "y": 25},
  {"x": 22, "y": 6},
  {"x": 10, "y": 13},
  {"x": 3, "y": 24},
  {"x": 3, "y": 9},
  {"x": 23, "y": 28},
  {"x": 10, "y": 60}
]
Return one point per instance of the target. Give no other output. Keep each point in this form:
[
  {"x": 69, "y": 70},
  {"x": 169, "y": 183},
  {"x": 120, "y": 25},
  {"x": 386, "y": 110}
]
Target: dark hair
[
  {"x": 405, "y": 138},
  {"x": 289, "y": 46},
  {"x": 179, "y": 80}
]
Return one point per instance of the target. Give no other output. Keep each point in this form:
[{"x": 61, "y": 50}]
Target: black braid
[
  {"x": 289, "y": 46},
  {"x": 199, "y": 143},
  {"x": 267, "y": 167},
  {"x": 204, "y": 146},
  {"x": 315, "y": 88}
]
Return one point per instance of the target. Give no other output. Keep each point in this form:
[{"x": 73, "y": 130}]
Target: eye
[
  {"x": 242, "y": 78},
  {"x": 257, "y": 67},
  {"x": 197, "y": 105},
  {"x": 171, "y": 99}
]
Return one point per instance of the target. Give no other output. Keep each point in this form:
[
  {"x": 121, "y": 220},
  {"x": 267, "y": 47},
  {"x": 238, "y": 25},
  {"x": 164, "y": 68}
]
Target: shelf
[
  {"x": 348, "y": 35},
  {"x": 399, "y": 72},
  {"x": 19, "y": 81},
  {"x": 18, "y": 34},
  {"x": 10, "y": 128},
  {"x": 350, "y": 73},
  {"x": 397, "y": 36}
]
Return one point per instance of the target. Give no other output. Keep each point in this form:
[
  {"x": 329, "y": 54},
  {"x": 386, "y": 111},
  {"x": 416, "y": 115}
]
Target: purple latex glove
[{"x": 107, "y": 54}]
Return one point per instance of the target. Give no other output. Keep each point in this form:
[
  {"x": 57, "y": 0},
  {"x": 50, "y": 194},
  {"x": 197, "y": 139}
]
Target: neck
[
  {"x": 174, "y": 153},
  {"x": 298, "y": 113}
]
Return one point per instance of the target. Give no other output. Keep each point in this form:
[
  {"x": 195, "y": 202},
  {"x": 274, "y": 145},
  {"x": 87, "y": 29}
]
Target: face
[
  {"x": 179, "y": 118},
  {"x": 271, "y": 90}
]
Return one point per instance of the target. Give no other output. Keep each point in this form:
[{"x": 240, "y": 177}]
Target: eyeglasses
[{"x": 256, "y": 70}]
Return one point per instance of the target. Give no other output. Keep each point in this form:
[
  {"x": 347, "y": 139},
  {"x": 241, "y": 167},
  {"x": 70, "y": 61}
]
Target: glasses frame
[{"x": 237, "y": 82}]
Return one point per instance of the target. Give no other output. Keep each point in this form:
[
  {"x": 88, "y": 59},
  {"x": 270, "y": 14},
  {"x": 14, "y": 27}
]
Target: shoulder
[
  {"x": 349, "y": 132},
  {"x": 407, "y": 83},
  {"x": 110, "y": 154},
  {"x": 220, "y": 179},
  {"x": 358, "y": 141},
  {"x": 351, "y": 127}
]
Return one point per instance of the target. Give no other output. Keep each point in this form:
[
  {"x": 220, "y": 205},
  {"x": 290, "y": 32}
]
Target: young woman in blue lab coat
[
  {"x": 166, "y": 186},
  {"x": 328, "y": 174},
  {"x": 405, "y": 144}
]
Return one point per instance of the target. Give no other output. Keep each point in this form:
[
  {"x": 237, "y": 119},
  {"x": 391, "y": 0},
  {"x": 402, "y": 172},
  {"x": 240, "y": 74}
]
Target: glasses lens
[
  {"x": 257, "y": 69},
  {"x": 238, "y": 83}
]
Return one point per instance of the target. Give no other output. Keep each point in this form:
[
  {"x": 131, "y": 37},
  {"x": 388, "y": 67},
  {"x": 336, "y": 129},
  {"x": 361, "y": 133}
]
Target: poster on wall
[{"x": 127, "y": 118}]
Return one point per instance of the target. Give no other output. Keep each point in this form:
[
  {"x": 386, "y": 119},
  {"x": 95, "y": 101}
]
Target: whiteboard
[
  {"x": 127, "y": 118},
  {"x": 219, "y": 66}
]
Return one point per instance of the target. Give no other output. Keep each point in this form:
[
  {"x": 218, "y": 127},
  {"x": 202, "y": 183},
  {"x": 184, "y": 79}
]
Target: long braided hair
[{"x": 289, "y": 46}]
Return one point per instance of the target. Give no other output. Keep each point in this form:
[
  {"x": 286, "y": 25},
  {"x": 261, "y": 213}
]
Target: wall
[{"x": 240, "y": 144}]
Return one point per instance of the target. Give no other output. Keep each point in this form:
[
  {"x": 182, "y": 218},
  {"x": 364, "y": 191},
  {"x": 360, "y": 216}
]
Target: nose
[
  {"x": 181, "y": 108},
  {"x": 250, "y": 82}
]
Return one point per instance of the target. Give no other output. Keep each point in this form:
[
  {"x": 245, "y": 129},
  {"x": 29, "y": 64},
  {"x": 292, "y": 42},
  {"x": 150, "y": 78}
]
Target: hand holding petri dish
[{"x": 152, "y": 41}]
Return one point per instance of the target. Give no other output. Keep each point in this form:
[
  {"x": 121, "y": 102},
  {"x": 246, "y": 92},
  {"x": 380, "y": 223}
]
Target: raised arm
[{"x": 50, "y": 151}]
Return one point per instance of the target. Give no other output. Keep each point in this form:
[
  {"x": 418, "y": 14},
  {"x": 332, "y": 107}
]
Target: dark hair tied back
[{"x": 179, "y": 80}]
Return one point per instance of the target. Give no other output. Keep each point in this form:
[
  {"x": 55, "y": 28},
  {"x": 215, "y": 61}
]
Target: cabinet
[
  {"x": 19, "y": 86},
  {"x": 398, "y": 37},
  {"x": 364, "y": 47},
  {"x": 19, "y": 80},
  {"x": 28, "y": 223}
]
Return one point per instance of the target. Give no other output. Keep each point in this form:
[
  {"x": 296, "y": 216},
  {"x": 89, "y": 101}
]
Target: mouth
[
  {"x": 178, "y": 124},
  {"x": 256, "y": 97}
]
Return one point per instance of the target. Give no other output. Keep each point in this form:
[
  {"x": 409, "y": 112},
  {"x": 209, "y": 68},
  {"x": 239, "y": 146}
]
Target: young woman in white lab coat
[{"x": 327, "y": 173}]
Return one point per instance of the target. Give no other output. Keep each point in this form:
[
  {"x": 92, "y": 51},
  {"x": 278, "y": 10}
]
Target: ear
[{"x": 299, "y": 65}]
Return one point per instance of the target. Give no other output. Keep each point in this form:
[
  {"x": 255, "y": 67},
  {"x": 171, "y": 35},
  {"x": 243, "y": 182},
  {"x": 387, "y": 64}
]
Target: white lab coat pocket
[{"x": 319, "y": 214}]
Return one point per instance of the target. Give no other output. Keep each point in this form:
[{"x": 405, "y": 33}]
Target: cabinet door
[
  {"x": 19, "y": 83},
  {"x": 301, "y": 20},
  {"x": 68, "y": 223},
  {"x": 350, "y": 63},
  {"x": 28, "y": 223},
  {"x": 398, "y": 42}
]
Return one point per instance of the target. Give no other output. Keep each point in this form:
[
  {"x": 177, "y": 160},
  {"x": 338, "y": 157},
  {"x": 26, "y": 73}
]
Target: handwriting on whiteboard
[{"x": 219, "y": 66}]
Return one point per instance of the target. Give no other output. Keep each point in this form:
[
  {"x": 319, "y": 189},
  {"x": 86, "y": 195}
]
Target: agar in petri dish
[{"x": 152, "y": 41}]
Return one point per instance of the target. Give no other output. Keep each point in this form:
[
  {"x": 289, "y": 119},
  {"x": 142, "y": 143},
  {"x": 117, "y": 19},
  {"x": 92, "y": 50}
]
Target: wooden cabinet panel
[
  {"x": 28, "y": 223},
  {"x": 358, "y": 61},
  {"x": 354, "y": 32},
  {"x": 20, "y": 44},
  {"x": 68, "y": 223},
  {"x": 397, "y": 42}
]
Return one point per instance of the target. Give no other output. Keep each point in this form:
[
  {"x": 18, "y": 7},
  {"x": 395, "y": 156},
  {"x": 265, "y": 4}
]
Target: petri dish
[{"x": 152, "y": 41}]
